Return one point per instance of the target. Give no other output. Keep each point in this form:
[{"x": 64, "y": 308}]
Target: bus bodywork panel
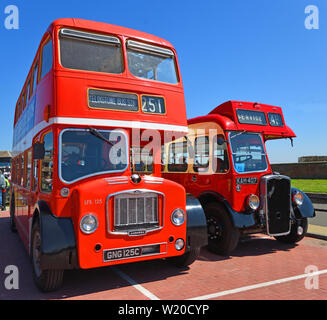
[
  {"x": 73, "y": 97},
  {"x": 65, "y": 241},
  {"x": 257, "y": 117}
]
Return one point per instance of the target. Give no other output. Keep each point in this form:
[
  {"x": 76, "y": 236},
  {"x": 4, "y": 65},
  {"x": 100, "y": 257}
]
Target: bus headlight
[
  {"x": 178, "y": 217},
  {"x": 253, "y": 202},
  {"x": 298, "y": 198},
  {"x": 89, "y": 223}
]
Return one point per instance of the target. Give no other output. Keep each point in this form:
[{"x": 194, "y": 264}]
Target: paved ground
[
  {"x": 318, "y": 224},
  {"x": 260, "y": 268}
]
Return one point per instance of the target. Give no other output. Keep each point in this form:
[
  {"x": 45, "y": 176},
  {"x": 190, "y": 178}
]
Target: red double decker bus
[
  {"x": 97, "y": 105},
  {"x": 223, "y": 162}
]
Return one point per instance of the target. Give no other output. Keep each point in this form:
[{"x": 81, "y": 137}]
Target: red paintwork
[
  {"x": 65, "y": 92},
  {"x": 225, "y": 116},
  {"x": 68, "y": 87},
  {"x": 225, "y": 183}
]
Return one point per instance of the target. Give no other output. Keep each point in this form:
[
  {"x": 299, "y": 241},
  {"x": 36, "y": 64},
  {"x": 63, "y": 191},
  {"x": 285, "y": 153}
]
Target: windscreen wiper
[
  {"x": 96, "y": 133},
  {"x": 238, "y": 134}
]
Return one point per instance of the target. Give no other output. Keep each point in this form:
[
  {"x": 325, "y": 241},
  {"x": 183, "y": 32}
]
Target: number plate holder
[{"x": 132, "y": 252}]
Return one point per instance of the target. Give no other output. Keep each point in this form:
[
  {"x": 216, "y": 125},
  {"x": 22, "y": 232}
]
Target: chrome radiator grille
[
  {"x": 275, "y": 191},
  {"x": 133, "y": 211}
]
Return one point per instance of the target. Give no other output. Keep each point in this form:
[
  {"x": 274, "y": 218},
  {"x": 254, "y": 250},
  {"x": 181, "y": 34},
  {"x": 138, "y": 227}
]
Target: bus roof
[
  {"x": 107, "y": 28},
  {"x": 249, "y": 116}
]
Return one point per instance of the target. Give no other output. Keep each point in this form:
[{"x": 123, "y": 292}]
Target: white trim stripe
[
  {"x": 137, "y": 286},
  {"x": 119, "y": 124},
  {"x": 26, "y": 142},
  {"x": 259, "y": 285}
]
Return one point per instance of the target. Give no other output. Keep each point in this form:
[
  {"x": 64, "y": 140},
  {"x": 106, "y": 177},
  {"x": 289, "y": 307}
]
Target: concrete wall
[
  {"x": 305, "y": 170},
  {"x": 313, "y": 159}
]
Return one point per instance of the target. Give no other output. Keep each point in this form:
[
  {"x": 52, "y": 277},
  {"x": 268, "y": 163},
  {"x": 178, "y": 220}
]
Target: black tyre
[
  {"x": 46, "y": 280},
  {"x": 186, "y": 259},
  {"x": 222, "y": 235},
  {"x": 293, "y": 236},
  {"x": 12, "y": 215}
]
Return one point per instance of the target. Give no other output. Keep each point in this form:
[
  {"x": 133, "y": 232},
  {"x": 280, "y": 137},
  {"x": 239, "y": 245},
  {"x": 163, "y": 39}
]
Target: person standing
[
  {"x": 2, "y": 187},
  {"x": 6, "y": 193}
]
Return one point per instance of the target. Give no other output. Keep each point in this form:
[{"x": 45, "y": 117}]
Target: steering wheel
[{"x": 104, "y": 163}]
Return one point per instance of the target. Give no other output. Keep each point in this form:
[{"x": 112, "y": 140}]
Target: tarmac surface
[{"x": 260, "y": 268}]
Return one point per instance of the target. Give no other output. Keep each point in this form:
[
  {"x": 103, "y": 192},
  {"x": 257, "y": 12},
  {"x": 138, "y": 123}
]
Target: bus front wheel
[
  {"x": 222, "y": 235},
  {"x": 46, "y": 280}
]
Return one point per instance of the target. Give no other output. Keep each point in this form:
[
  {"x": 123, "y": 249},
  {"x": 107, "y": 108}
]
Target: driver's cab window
[
  {"x": 220, "y": 162},
  {"x": 47, "y": 164},
  {"x": 142, "y": 160}
]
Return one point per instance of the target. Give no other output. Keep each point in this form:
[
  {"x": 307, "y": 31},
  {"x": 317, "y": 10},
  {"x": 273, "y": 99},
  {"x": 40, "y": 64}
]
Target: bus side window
[
  {"x": 28, "y": 91},
  {"x": 28, "y": 169},
  {"x": 13, "y": 170},
  {"x": 201, "y": 154},
  {"x": 47, "y": 164},
  {"x": 220, "y": 162},
  {"x": 19, "y": 108},
  {"x": 35, "y": 74},
  {"x": 178, "y": 157},
  {"x": 23, "y": 103},
  {"x": 21, "y": 182},
  {"x": 47, "y": 59},
  {"x": 35, "y": 174},
  {"x": 17, "y": 169}
]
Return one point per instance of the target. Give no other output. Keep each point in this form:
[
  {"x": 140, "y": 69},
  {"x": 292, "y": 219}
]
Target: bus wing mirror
[
  {"x": 220, "y": 141},
  {"x": 292, "y": 144},
  {"x": 38, "y": 151}
]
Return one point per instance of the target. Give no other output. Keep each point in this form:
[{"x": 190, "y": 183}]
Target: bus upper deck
[
  {"x": 88, "y": 73},
  {"x": 250, "y": 117}
]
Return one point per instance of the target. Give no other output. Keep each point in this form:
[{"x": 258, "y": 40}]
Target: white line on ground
[
  {"x": 259, "y": 285},
  {"x": 137, "y": 286}
]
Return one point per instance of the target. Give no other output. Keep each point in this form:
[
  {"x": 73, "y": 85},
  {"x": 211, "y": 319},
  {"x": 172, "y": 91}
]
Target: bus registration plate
[{"x": 124, "y": 253}]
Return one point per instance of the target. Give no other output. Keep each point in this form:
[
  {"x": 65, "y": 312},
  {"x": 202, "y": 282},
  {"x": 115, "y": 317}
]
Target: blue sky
[{"x": 250, "y": 50}]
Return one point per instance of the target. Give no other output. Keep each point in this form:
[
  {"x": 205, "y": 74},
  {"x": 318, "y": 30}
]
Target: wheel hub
[{"x": 214, "y": 229}]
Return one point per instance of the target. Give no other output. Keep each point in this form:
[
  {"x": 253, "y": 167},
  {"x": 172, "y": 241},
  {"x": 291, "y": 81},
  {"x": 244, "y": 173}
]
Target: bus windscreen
[
  {"x": 248, "y": 152},
  {"x": 90, "y": 52},
  {"x": 83, "y": 153},
  {"x": 151, "y": 62}
]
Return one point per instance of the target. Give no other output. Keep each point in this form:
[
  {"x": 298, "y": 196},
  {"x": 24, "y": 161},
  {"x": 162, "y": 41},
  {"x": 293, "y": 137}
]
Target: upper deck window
[
  {"x": 275, "y": 119},
  {"x": 47, "y": 58},
  {"x": 35, "y": 75},
  {"x": 91, "y": 52},
  {"x": 151, "y": 62}
]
